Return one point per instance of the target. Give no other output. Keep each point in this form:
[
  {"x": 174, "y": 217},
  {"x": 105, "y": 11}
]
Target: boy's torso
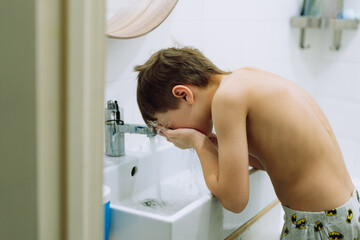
[{"x": 291, "y": 137}]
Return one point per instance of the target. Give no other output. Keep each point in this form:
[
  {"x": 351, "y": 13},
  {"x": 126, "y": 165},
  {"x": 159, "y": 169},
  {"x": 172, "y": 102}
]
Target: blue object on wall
[{"x": 106, "y": 202}]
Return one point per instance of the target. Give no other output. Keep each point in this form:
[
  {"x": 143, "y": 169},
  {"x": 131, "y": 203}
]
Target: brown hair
[{"x": 165, "y": 69}]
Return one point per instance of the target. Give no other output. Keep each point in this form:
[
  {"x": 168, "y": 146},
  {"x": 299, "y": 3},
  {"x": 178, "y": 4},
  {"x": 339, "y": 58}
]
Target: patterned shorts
[{"x": 336, "y": 224}]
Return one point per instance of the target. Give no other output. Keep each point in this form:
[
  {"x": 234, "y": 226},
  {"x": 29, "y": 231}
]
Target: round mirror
[{"x": 134, "y": 18}]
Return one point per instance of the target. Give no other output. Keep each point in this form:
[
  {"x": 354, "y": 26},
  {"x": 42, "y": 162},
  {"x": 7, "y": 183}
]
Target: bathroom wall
[{"x": 236, "y": 33}]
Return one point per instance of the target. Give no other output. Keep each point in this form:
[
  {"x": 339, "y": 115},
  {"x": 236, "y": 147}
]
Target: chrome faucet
[{"x": 115, "y": 130}]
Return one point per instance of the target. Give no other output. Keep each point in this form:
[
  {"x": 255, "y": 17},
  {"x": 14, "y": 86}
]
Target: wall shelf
[{"x": 338, "y": 25}]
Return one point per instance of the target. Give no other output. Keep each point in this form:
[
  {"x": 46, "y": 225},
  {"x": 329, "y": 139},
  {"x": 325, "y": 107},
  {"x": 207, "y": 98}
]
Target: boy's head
[{"x": 166, "y": 69}]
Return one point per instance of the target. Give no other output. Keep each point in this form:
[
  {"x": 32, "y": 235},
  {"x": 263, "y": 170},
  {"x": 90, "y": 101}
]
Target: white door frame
[
  {"x": 74, "y": 32},
  {"x": 51, "y": 124},
  {"x": 84, "y": 94}
]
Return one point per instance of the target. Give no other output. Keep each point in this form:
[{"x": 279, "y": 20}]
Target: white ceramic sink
[{"x": 189, "y": 211}]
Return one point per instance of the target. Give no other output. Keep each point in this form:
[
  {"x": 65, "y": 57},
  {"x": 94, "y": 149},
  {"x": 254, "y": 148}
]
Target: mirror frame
[{"x": 136, "y": 18}]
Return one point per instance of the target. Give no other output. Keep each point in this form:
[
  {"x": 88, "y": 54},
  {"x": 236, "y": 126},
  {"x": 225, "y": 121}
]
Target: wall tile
[
  {"x": 350, "y": 153},
  {"x": 250, "y": 10},
  {"x": 233, "y": 42},
  {"x": 264, "y": 41},
  {"x": 349, "y": 50},
  {"x": 187, "y": 34},
  {"x": 356, "y": 162},
  {"x": 352, "y": 4},
  {"x": 121, "y": 55},
  {"x": 223, "y": 43},
  {"x": 188, "y": 11},
  {"x": 122, "y": 91},
  {"x": 343, "y": 116},
  {"x": 124, "y": 54},
  {"x": 339, "y": 81}
]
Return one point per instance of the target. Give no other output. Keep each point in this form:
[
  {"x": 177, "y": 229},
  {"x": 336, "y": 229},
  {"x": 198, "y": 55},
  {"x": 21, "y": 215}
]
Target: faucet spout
[{"x": 138, "y": 129}]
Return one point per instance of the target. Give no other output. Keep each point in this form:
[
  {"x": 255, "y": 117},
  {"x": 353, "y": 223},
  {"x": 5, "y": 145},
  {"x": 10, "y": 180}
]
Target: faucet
[{"x": 115, "y": 129}]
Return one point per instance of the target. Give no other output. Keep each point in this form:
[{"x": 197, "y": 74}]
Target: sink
[{"x": 186, "y": 208}]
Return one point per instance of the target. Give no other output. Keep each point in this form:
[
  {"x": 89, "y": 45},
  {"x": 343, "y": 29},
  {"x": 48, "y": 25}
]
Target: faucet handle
[
  {"x": 113, "y": 112},
  {"x": 111, "y": 105},
  {"x": 118, "y": 116}
]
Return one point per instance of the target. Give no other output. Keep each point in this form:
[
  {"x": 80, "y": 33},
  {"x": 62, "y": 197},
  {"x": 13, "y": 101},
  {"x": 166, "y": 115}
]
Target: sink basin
[{"x": 185, "y": 208}]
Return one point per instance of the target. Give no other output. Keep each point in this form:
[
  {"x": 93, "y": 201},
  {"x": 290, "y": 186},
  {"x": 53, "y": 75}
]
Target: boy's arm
[
  {"x": 208, "y": 154},
  {"x": 226, "y": 167},
  {"x": 232, "y": 185},
  {"x": 253, "y": 161}
]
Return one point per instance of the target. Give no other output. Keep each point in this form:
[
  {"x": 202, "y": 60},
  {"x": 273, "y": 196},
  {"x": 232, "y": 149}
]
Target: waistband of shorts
[{"x": 328, "y": 216}]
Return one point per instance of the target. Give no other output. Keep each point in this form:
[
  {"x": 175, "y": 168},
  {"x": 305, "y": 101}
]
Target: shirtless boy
[{"x": 261, "y": 120}]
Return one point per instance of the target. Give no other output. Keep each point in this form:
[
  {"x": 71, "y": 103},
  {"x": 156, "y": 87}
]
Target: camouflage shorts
[{"x": 336, "y": 224}]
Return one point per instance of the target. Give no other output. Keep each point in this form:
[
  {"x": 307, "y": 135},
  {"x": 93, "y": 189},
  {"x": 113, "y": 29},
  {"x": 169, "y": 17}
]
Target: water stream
[{"x": 157, "y": 168}]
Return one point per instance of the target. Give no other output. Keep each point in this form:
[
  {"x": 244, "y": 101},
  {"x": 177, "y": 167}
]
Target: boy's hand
[{"x": 183, "y": 137}]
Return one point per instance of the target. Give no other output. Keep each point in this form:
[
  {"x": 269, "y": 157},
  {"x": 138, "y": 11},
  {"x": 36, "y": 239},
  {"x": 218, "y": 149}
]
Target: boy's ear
[{"x": 183, "y": 92}]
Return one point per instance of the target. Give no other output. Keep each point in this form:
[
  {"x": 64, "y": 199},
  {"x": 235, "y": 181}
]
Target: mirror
[{"x": 134, "y": 18}]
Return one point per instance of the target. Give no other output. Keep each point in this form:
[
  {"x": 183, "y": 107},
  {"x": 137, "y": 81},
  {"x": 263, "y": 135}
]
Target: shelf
[
  {"x": 305, "y": 22},
  {"x": 316, "y": 22},
  {"x": 342, "y": 24},
  {"x": 338, "y": 25}
]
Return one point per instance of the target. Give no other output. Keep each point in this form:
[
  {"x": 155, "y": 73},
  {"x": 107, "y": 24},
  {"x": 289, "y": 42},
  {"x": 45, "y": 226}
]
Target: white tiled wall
[{"x": 235, "y": 33}]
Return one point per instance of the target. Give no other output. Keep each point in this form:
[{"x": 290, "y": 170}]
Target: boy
[{"x": 261, "y": 120}]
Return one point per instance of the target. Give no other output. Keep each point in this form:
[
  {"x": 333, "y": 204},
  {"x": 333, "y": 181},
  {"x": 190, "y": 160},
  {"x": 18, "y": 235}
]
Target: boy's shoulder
[
  {"x": 235, "y": 86},
  {"x": 234, "y": 92}
]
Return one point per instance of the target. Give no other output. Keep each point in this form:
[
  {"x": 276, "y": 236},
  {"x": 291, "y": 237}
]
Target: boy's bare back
[{"x": 288, "y": 134}]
